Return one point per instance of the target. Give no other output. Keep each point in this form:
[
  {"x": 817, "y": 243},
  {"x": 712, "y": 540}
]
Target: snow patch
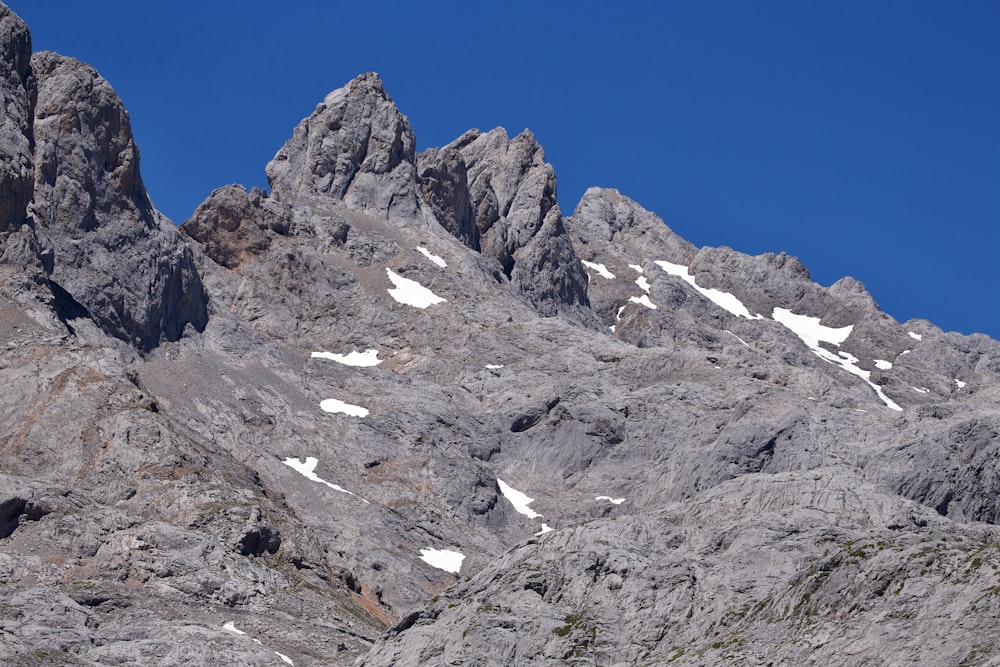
[
  {"x": 545, "y": 529},
  {"x": 519, "y": 500},
  {"x": 613, "y": 501},
  {"x": 882, "y": 364},
  {"x": 724, "y": 300},
  {"x": 812, "y": 333},
  {"x": 307, "y": 469},
  {"x": 618, "y": 315},
  {"x": 443, "y": 559},
  {"x": 921, "y": 390},
  {"x": 352, "y": 358},
  {"x": 959, "y": 383},
  {"x": 334, "y": 405},
  {"x": 635, "y": 267},
  {"x": 905, "y": 352},
  {"x": 851, "y": 359},
  {"x": 643, "y": 284},
  {"x": 494, "y": 367},
  {"x": 810, "y": 330},
  {"x": 231, "y": 627},
  {"x": 737, "y": 337},
  {"x": 914, "y": 336},
  {"x": 284, "y": 658},
  {"x": 600, "y": 268},
  {"x": 642, "y": 301},
  {"x": 410, "y": 292},
  {"x": 431, "y": 256}
]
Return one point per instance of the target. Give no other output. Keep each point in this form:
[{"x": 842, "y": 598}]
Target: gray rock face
[
  {"x": 17, "y": 92},
  {"x": 234, "y": 226},
  {"x": 445, "y": 185},
  {"x": 513, "y": 193},
  {"x": 395, "y": 346},
  {"x": 356, "y": 147},
  {"x": 115, "y": 256}
]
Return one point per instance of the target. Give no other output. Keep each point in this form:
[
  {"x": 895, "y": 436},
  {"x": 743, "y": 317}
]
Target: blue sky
[{"x": 862, "y": 137}]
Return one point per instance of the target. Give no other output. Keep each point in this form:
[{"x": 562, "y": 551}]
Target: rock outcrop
[
  {"x": 356, "y": 147},
  {"x": 17, "y": 92},
  {"x": 114, "y": 254},
  {"x": 403, "y": 411}
]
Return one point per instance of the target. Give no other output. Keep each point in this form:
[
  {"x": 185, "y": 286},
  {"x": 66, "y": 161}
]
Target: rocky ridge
[{"x": 294, "y": 429}]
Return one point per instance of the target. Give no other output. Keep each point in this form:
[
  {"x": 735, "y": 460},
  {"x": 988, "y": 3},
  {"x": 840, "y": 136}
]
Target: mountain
[{"x": 402, "y": 410}]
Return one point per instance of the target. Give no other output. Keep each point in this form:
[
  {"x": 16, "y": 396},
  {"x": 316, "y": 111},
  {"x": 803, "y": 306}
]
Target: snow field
[
  {"x": 352, "y": 358},
  {"x": 307, "y": 469},
  {"x": 812, "y": 333},
  {"x": 600, "y": 268},
  {"x": 337, "y": 406},
  {"x": 410, "y": 292},
  {"x": 443, "y": 559},
  {"x": 519, "y": 500},
  {"x": 724, "y": 300},
  {"x": 642, "y": 301},
  {"x": 431, "y": 256}
]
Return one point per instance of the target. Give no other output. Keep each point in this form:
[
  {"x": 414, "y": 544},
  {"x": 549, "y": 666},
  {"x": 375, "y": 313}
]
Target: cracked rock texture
[{"x": 252, "y": 439}]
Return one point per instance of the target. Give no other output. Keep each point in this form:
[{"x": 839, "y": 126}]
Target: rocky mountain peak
[
  {"x": 111, "y": 257},
  {"x": 80, "y": 123},
  {"x": 406, "y": 412},
  {"x": 355, "y": 147}
]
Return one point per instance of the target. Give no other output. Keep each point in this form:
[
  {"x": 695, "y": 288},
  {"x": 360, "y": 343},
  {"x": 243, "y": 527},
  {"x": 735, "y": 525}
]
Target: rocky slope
[{"x": 299, "y": 428}]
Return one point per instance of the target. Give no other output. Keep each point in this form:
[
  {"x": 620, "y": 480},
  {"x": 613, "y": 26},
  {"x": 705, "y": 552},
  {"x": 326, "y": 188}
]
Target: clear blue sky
[{"x": 861, "y": 136}]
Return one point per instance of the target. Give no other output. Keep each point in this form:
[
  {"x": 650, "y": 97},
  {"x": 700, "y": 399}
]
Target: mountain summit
[{"x": 401, "y": 410}]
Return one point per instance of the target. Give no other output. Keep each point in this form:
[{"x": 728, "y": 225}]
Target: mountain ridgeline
[{"x": 403, "y": 410}]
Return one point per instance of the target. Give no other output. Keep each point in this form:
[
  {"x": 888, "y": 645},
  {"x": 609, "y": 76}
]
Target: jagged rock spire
[{"x": 356, "y": 146}]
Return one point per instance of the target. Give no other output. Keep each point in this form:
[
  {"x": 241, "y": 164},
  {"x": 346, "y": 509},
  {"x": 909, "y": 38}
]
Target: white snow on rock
[
  {"x": 334, "y": 405},
  {"x": 642, "y": 301},
  {"x": 410, "y": 292},
  {"x": 921, "y": 390},
  {"x": 914, "y": 336},
  {"x": 613, "y": 501},
  {"x": 810, "y": 330},
  {"x": 812, "y": 333},
  {"x": 284, "y": 658},
  {"x": 959, "y": 383},
  {"x": 882, "y": 364},
  {"x": 519, "y": 500},
  {"x": 905, "y": 352},
  {"x": 635, "y": 267},
  {"x": 600, "y": 268},
  {"x": 724, "y": 300},
  {"x": 352, "y": 358},
  {"x": 494, "y": 367},
  {"x": 737, "y": 337},
  {"x": 545, "y": 529},
  {"x": 443, "y": 559},
  {"x": 231, "y": 627},
  {"x": 643, "y": 284},
  {"x": 306, "y": 469},
  {"x": 618, "y": 315},
  {"x": 431, "y": 256}
]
